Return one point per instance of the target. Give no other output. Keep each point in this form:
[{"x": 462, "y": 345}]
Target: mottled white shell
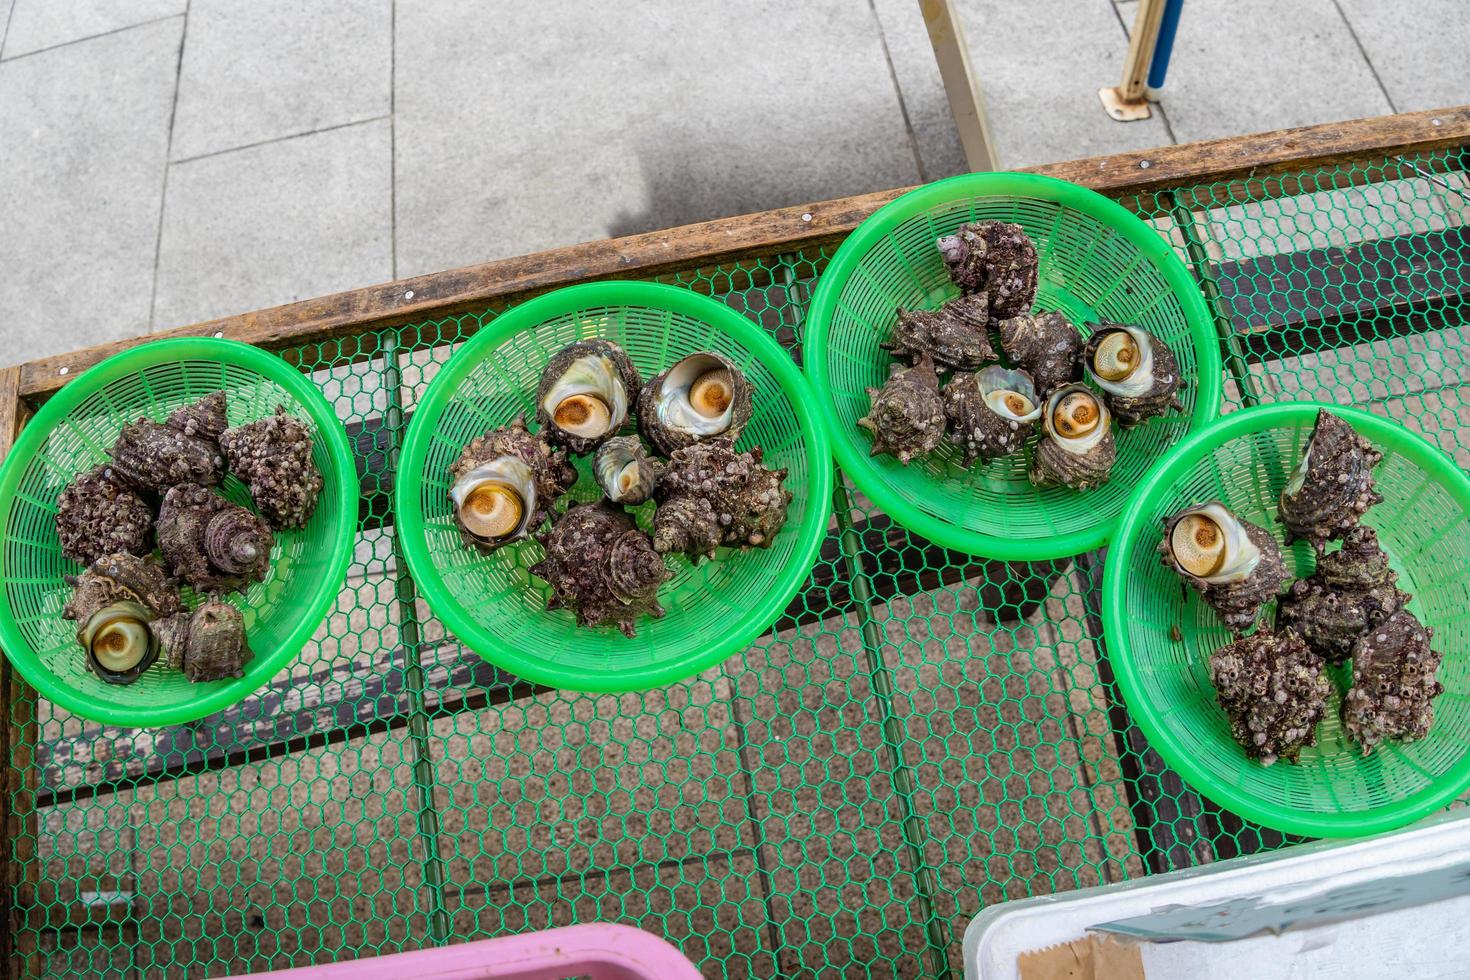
[
  {"x": 995, "y": 382},
  {"x": 1140, "y": 380},
  {"x": 508, "y": 471},
  {"x": 1241, "y": 554},
  {"x": 673, "y": 408},
  {"x": 594, "y": 374}
]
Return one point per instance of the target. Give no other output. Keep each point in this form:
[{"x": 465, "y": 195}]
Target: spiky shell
[
  {"x": 712, "y": 495},
  {"x": 954, "y": 336},
  {"x": 1332, "y": 486},
  {"x": 1352, "y": 591},
  {"x": 209, "y": 543},
  {"x": 625, "y": 470},
  {"x": 207, "y": 645},
  {"x": 602, "y": 567},
  {"x": 1151, "y": 386},
  {"x": 97, "y": 515},
  {"x": 1274, "y": 690},
  {"x": 981, "y": 424},
  {"x": 906, "y": 415},
  {"x": 122, "y": 578},
  {"x": 1046, "y": 345},
  {"x": 995, "y": 257},
  {"x": 204, "y": 418},
  {"x": 149, "y": 456},
  {"x": 1077, "y": 462},
  {"x": 549, "y": 471},
  {"x": 1394, "y": 683},
  {"x": 595, "y": 367},
  {"x": 666, "y": 417},
  {"x": 1251, "y": 577},
  {"x": 273, "y": 456}
]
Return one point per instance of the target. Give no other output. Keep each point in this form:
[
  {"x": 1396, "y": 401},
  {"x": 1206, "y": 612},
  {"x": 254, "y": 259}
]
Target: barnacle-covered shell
[
  {"x": 711, "y": 496},
  {"x": 1394, "y": 683},
  {"x": 906, "y": 415},
  {"x": 1274, "y": 690},
  {"x": 1332, "y": 485},
  {"x": 273, "y": 455},
  {"x": 1137, "y": 372},
  {"x": 1077, "y": 448},
  {"x": 1352, "y": 590},
  {"x": 995, "y": 257},
  {"x": 207, "y": 645},
  {"x": 991, "y": 413},
  {"x": 1046, "y": 345},
  {"x": 210, "y": 543},
  {"x": 585, "y": 393},
  {"x": 117, "y": 642},
  {"x": 149, "y": 456},
  {"x": 113, "y": 602},
  {"x": 1234, "y": 565},
  {"x": 97, "y": 515},
  {"x": 602, "y": 568},
  {"x": 204, "y": 418},
  {"x": 701, "y": 396},
  {"x": 121, "y": 578},
  {"x": 955, "y": 335},
  {"x": 625, "y": 470},
  {"x": 504, "y": 484}
]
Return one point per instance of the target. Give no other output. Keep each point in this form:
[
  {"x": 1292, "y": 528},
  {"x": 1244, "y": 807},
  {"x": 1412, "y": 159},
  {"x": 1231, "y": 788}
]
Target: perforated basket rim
[
  {"x": 210, "y": 698},
  {"x": 1174, "y": 465},
  {"x": 856, "y": 463},
  {"x": 614, "y": 293}
]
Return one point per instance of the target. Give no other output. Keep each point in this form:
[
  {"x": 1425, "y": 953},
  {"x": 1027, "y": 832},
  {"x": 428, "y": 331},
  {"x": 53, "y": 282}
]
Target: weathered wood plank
[{"x": 749, "y": 236}]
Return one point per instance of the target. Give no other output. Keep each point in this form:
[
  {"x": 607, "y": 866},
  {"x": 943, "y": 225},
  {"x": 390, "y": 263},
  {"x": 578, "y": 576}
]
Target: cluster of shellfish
[
  {"x": 158, "y": 490},
  {"x": 1273, "y": 683},
  {"x": 992, "y": 405},
  {"x": 600, "y": 563}
]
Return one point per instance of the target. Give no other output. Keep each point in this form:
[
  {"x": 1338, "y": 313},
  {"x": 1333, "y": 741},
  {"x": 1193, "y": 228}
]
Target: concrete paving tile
[
  {"x": 275, "y": 223},
  {"x": 37, "y": 24},
  {"x": 568, "y": 784},
  {"x": 1418, "y": 49},
  {"x": 1039, "y": 65},
  {"x": 81, "y": 175},
  {"x": 917, "y": 74},
  {"x": 6, "y": 6},
  {"x": 842, "y": 883},
  {"x": 506, "y": 146},
  {"x": 713, "y": 910},
  {"x": 272, "y": 68},
  {"x": 1245, "y": 66}
]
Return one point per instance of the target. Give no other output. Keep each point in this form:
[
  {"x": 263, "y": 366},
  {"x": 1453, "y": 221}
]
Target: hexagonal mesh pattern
[{"x": 921, "y": 735}]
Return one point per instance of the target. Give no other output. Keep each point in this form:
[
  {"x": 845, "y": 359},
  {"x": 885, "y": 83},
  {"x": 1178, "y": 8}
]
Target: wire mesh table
[{"x": 921, "y": 735}]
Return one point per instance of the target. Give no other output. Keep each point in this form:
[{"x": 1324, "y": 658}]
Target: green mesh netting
[{"x": 922, "y": 735}]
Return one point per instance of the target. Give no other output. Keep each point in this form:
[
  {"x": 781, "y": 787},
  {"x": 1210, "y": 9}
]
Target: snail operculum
[
  {"x": 1076, "y": 419},
  {"x": 584, "y": 393},
  {"x": 495, "y": 500},
  {"x": 1122, "y": 360},
  {"x": 1210, "y": 543},
  {"x": 702, "y": 396},
  {"x": 1009, "y": 394},
  {"x": 119, "y": 645}
]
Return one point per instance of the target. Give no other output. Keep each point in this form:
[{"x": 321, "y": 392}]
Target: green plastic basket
[
  {"x": 495, "y": 606},
  {"x": 1243, "y": 460},
  {"x": 71, "y": 433},
  {"x": 1098, "y": 262}
]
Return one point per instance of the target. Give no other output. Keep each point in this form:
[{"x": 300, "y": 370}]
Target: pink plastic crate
[{"x": 601, "y": 951}]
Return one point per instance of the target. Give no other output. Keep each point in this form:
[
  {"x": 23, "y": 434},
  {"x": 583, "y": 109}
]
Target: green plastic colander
[
  {"x": 494, "y": 605},
  {"x": 1243, "y": 460},
  {"x": 71, "y": 434},
  {"x": 1098, "y": 262}
]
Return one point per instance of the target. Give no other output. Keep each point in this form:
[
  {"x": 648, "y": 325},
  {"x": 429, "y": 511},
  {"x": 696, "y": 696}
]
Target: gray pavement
[{"x": 166, "y": 161}]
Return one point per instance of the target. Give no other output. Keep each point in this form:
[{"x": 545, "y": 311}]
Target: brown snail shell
[
  {"x": 906, "y": 415},
  {"x": 712, "y": 495},
  {"x": 1332, "y": 486},
  {"x": 274, "y": 456},
  {"x": 602, "y": 567},
  {"x": 1235, "y": 566},
  {"x": 955, "y": 335},
  {"x": 585, "y": 393},
  {"x": 97, "y": 515},
  {"x": 504, "y": 485},
  {"x": 702, "y": 396},
  {"x": 210, "y": 543},
  {"x": 1046, "y": 345},
  {"x": 995, "y": 257},
  {"x": 625, "y": 470},
  {"x": 1137, "y": 372},
  {"x": 991, "y": 413},
  {"x": 1076, "y": 449},
  {"x": 1395, "y": 682},
  {"x": 1274, "y": 690},
  {"x": 117, "y": 642}
]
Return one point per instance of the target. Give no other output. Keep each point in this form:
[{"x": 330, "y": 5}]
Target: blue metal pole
[{"x": 1159, "y": 65}]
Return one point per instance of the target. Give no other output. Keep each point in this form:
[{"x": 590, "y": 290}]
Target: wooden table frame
[{"x": 1227, "y": 163}]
